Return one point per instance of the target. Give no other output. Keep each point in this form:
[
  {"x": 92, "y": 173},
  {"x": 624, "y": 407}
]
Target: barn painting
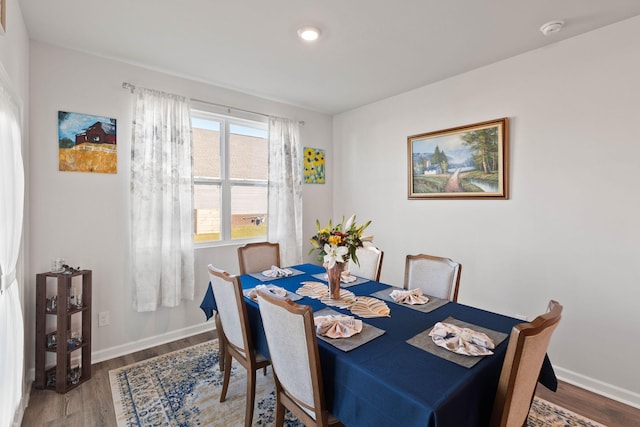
[{"x": 86, "y": 143}]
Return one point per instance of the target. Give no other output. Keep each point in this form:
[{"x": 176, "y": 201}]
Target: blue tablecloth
[{"x": 389, "y": 382}]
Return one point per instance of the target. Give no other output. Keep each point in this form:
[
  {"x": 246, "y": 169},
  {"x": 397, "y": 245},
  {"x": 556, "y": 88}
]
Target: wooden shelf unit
[{"x": 63, "y": 316}]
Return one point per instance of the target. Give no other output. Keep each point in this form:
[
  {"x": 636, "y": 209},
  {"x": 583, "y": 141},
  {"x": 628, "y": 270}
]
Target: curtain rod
[{"x": 132, "y": 88}]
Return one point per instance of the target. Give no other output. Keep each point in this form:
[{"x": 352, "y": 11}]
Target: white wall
[
  {"x": 84, "y": 217},
  {"x": 570, "y": 229}
]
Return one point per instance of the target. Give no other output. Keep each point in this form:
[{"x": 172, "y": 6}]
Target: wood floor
[{"x": 91, "y": 405}]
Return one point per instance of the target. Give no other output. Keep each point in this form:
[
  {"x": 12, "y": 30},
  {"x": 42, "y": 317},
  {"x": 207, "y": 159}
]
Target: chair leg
[
  {"x": 279, "y": 412},
  {"x": 251, "y": 396},
  {"x": 227, "y": 375}
]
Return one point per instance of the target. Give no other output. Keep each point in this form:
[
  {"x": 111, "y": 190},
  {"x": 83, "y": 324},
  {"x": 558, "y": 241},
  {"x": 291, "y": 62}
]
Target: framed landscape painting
[{"x": 464, "y": 162}]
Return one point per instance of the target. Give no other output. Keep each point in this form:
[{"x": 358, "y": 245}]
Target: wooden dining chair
[
  {"x": 436, "y": 276},
  {"x": 258, "y": 257},
  {"x": 293, "y": 348},
  {"x": 370, "y": 260},
  {"x": 525, "y": 354},
  {"x": 236, "y": 336}
]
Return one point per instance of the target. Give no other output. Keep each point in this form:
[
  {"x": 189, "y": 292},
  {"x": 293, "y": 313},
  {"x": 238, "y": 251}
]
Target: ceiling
[{"x": 368, "y": 50}]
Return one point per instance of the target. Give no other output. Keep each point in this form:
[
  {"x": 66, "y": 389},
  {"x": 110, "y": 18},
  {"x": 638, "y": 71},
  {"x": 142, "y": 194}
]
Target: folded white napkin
[
  {"x": 412, "y": 297},
  {"x": 461, "y": 340},
  {"x": 338, "y": 326},
  {"x": 275, "y": 290},
  {"x": 277, "y": 272},
  {"x": 345, "y": 277}
]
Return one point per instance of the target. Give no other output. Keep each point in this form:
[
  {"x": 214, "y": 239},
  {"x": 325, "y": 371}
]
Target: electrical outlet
[{"x": 104, "y": 318}]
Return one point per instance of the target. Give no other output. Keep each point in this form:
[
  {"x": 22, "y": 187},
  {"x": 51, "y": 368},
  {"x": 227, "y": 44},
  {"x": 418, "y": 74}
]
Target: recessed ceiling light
[
  {"x": 551, "y": 27},
  {"x": 309, "y": 33}
]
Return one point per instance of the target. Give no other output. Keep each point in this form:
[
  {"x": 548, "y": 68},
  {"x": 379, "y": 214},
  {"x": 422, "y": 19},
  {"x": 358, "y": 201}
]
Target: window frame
[{"x": 225, "y": 182}]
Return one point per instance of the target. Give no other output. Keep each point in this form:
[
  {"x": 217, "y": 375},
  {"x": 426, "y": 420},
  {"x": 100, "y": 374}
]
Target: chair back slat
[
  {"x": 370, "y": 260},
  {"x": 527, "y": 348},
  {"x": 230, "y": 306},
  {"x": 258, "y": 257},
  {"x": 293, "y": 349},
  {"x": 436, "y": 276}
]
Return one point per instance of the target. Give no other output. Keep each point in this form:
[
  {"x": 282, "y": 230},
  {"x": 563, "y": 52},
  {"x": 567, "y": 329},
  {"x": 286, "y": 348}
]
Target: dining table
[{"x": 396, "y": 378}]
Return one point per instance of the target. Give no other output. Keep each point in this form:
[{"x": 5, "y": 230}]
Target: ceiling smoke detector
[{"x": 552, "y": 27}]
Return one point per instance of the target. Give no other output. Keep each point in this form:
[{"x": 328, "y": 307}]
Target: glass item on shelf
[
  {"x": 51, "y": 379},
  {"x": 57, "y": 265},
  {"x": 51, "y": 340},
  {"x": 74, "y": 375},
  {"x": 72, "y": 297},
  {"x": 52, "y": 304}
]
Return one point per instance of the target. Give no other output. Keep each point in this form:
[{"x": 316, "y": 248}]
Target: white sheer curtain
[
  {"x": 285, "y": 189},
  {"x": 11, "y": 215},
  {"x": 161, "y": 201}
]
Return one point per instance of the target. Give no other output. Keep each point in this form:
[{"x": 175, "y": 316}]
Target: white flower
[
  {"x": 334, "y": 254},
  {"x": 349, "y": 223}
]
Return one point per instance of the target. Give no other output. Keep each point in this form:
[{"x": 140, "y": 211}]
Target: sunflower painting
[{"x": 313, "y": 166}]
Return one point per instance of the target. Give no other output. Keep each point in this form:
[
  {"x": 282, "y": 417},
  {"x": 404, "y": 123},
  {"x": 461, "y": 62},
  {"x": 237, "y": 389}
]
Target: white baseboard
[
  {"x": 132, "y": 347},
  {"x": 599, "y": 387}
]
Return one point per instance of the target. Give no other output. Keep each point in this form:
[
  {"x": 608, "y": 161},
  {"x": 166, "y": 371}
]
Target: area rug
[
  {"x": 182, "y": 388},
  {"x": 544, "y": 414}
]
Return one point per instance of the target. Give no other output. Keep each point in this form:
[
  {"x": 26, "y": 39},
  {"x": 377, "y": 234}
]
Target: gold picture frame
[
  {"x": 3, "y": 15},
  {"x": 465, "y": 162}
]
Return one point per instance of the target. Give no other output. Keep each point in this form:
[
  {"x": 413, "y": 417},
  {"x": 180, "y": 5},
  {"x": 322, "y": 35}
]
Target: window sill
[{"x": 226, "y": 243}]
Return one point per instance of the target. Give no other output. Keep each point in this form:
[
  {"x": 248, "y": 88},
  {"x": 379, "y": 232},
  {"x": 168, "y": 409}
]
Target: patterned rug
[{"x": 183, "y": 389}]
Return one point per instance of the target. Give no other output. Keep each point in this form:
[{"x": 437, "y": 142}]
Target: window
[{"x": 230, "y": 168}]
